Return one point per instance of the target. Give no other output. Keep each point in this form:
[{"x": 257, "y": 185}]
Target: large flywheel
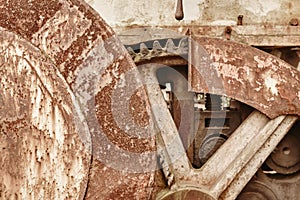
[
  {"x": 64, "y": 130},
  {"x": 211, "y": 142},
  {"x": 186, "y": 118}
]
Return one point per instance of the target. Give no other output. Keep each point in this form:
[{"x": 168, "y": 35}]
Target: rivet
[
  {"x": 294, "y": 22},
  {"x": 228, "y": 31}
]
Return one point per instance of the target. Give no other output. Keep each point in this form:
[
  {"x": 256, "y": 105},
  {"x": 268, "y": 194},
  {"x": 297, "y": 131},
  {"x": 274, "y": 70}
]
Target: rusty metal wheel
[
  {"x": 186, "y": 193},
  {"x": 285, "y": 159},
  {"x": 235, "y": 162},
  {"x": 77, "y": 61},
  {"x": 221, "y": 175},
  {"x": 257, "y": 191},
  {"x": 209, "y": 146},
  {"x": 44, "y": 140},
  {"x": 77, "y": 55}
]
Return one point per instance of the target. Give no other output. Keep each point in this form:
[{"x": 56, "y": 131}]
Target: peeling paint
[
  {"x": 261, "y": 7},
  {"x": 81, "y": 47},
  {"x": 124, "y": 13},
  {"x": 266, "y": 75},
  {"x": 37, "y": 134},
  {"x": 271, "y": 84}
]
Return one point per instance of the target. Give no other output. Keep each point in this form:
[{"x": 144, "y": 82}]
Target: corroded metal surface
[
  {"x": 227, "y": 68},
  {"x": 253, "y": 35},
  {"x": 79, "y": 57},
  {"x": 104, "y": 80},
  {"x": 198, "y": 12},
  {"x": 286, "y": 158},
  {"x": 246, "y": 74},
  {"x": 45, "y": 144},
  {"x": 212, "y": 181},
  {"x": 147, "y": 51}
]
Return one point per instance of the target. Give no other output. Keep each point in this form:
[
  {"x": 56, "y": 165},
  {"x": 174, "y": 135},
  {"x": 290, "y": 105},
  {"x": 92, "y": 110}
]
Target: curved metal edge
[
  {"x": 185, "y": 192},
  {"x": 244, "y": 73},
  {"x": 239, "y": 71},
  {"x": 71, "y": 34},
  {"x": 41, "y": 126}
]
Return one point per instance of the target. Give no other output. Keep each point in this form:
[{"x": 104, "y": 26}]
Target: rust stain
[
  {"x": 48, "y": 25},
  {"x": 106, "y": 111},
  {"x": 246, "y": 74},
  {"x": 137, "y": 103},
  {"x": 25, "y": 18},
  {"x": 120, "y": 185},
  {"x": 38, "y": 133}
]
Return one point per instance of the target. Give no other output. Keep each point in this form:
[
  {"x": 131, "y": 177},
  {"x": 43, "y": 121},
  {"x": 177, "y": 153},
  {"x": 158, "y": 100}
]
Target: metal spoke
[
  {"x": 240, "y": 181},
  {"x": 244, "y": 152},
  {"x": 239, "y": 152},
  {"x": 228, "y": 171},
  {"x": 169, "y": 141}
]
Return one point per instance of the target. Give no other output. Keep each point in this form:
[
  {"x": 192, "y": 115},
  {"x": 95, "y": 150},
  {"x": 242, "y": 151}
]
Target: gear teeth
[
  {"x": 157, "y": 47},
  {"x": 131, "y": 52},
  {"x": 170, "y": 46},
  {"x": 144, "y": 49},
  {"x": 183, "y": 46},
  {"x": 144, "y": 52}
]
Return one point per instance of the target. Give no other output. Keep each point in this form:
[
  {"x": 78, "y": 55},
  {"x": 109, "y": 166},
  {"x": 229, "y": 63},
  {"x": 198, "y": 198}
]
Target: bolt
[
  {"x": 294, "y": 22},
  {"x": 228, "y": 31},
  {"x": 240, "y": 20},
  {"x": 286, "y": 151}
]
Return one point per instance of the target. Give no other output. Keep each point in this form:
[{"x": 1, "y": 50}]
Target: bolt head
[{"x": 294, "y": 22}]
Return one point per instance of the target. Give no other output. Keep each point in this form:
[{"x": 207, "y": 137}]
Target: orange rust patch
[
  {"x": 137, "y": 110},
  {"x": 25, "y": 18}
]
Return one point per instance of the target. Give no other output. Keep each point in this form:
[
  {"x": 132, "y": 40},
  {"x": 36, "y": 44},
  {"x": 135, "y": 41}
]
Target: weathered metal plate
[
  {"x": 44, "y": 142},
  {"x": 107, "y": 84},
  {"x": 253, "y": 35},
  {"x": 244, "y": 73}
]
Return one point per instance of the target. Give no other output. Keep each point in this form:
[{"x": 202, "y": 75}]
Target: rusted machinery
[{"x": 203, "y": 112}]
